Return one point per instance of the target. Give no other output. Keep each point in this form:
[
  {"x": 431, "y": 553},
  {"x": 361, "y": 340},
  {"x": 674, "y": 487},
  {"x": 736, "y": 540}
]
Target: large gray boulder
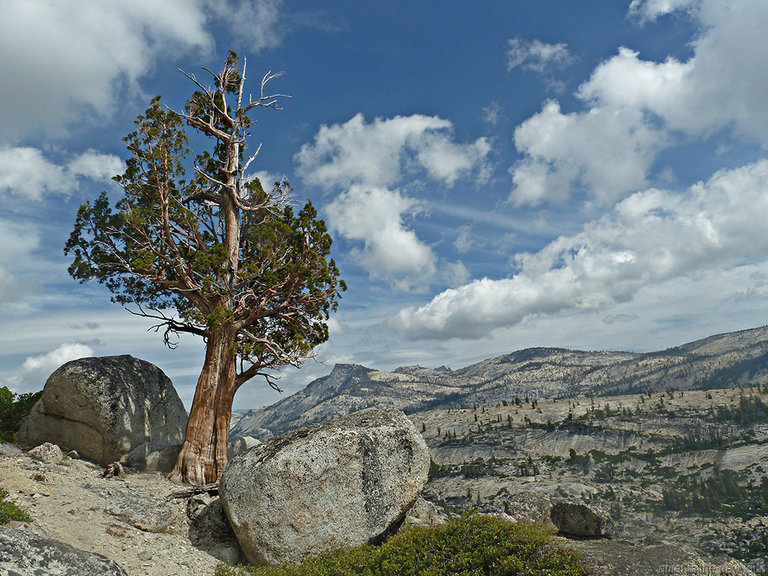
[
  {"x": 343, "y": 482},
  {"x": 578, "y": 519},
  {"x": 24, "y": 552},
  {"x": 114, "y": 408}
]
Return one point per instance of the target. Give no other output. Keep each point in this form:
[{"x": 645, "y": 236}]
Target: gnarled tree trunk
[{"x": 203, "y": 455}]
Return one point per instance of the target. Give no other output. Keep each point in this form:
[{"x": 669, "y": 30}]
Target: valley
[
  {"x": 673, "y": 444},
  {"x": 687, "y": 467}
]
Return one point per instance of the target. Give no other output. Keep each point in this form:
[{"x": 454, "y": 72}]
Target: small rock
[
  {"x": 47, "y": 452},
  {"x": 114, "y": 510},
  {"x": 197, "y": 504},
  {"x": 114, "y": 469},
  {"x": 241, "y": 444},
  {"x": 8, "y": 449},
  {"x": 73, "y": 454},
  {"x": 116, "y": 530},
  {"x": 423, "y": 513}
]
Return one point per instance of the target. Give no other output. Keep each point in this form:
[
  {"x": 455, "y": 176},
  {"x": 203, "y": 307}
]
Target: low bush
[
  {"x": 9, "y": 512},
  {"x": 471, "y": 545}
]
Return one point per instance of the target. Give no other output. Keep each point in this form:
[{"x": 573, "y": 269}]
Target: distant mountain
[{"x": 722, "y": 361}]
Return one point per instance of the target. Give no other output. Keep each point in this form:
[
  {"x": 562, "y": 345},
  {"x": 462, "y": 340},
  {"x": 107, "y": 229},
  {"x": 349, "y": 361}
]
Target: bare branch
[
  {"x": 242, "y": 85},
  {"x": 206, "y": 127},
  {"x": 194, "y": 79},
  {"x": 200, "y": 195},
  {"x": 251, "y": 159},
  {"x": 170, "y": 325},
  {"x": 208, "y": 177},
  {"x": 266, "y": 101}
]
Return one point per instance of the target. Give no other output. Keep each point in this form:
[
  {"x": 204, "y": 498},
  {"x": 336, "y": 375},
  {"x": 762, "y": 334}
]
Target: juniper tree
[{"x": 212, "y": 253}]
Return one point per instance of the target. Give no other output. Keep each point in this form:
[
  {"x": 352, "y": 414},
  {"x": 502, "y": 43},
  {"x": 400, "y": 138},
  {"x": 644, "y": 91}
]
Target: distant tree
[
  {"x": 13, "y": 409},
  {"x": 211, "y": 253}
]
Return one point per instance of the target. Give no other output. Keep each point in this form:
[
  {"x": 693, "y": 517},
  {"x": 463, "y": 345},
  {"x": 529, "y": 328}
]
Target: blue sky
[{"x": 496, "y": 175}]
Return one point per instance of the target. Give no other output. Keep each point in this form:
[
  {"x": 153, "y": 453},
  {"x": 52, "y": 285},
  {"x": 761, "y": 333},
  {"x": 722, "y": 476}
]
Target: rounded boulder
[
  {"x": 344, "y": 482},
  {"x": 578, "y": 519},
  {"x": 110, "y": 409}
]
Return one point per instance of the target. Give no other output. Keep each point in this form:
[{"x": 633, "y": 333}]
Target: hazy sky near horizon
[{"x": 496, "y": 175}]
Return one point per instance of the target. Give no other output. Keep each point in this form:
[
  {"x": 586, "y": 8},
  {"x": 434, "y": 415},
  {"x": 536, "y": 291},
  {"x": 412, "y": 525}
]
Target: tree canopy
[{"x": 201, "y": 246}]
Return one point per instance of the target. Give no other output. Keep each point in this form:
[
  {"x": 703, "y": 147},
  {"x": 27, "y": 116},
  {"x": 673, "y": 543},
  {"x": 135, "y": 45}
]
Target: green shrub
[
  {"x": 10, "y": 512},
  {"x": 695, "y": 495},
  {"x": 471, "y": 545},
  {"x": 751, "y": 410},
  {"x": 13, "y": 409}
]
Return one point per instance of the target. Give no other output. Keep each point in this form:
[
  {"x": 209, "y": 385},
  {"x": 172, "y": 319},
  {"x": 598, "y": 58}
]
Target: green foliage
[
  {"x": 528, "y": 467},
  {"x": 9, "y": 512},
  {"x": 476, "y": 469},
  {"x": 467, "y": 546},
  {"x": 122, "y": 249},
  {"x": 721, "y": 489},
  {"x": 699, "y": 438},
  {"x": 13, "y": 409},
  {"x": 751, "y": 410}
]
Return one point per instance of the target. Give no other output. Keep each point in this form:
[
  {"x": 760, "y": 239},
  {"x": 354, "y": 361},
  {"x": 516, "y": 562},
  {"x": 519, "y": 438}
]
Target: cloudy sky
[{"x": 588, "y": 174}]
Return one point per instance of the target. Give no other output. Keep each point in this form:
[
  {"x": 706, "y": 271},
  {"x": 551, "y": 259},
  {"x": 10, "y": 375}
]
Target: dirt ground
[{"x": 133, "y": 520}]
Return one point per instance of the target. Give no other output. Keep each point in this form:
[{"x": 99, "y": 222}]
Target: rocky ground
[
  {"x": 672, "y": 446},
  {"x": 152, "y": 527},
  {"x": 134, "y": 520},
  {"x": 677, "y": 467}
]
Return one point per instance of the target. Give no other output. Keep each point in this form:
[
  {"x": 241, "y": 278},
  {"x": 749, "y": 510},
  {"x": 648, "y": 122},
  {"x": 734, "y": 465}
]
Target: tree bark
[{"x": 203, "y": 455}]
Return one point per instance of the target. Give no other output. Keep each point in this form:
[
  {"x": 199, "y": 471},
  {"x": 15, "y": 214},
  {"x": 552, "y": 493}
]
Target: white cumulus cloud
[
  {"x": 26, "y": 172},
  {"x": 35, "y": 370},
  {"x": 95, "y": 165},
  {"x": 635, "y": 108},
  {"x": 650, "y": 10},
  {"x": 380, "y": 152},
  {"x": 77, "y": 70},
  {"x": 650, "y": 238},
  {"x": 364, "y": 163},
  {"x": 605, "y": 151},
  {"x": 390, "y": 251}
]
